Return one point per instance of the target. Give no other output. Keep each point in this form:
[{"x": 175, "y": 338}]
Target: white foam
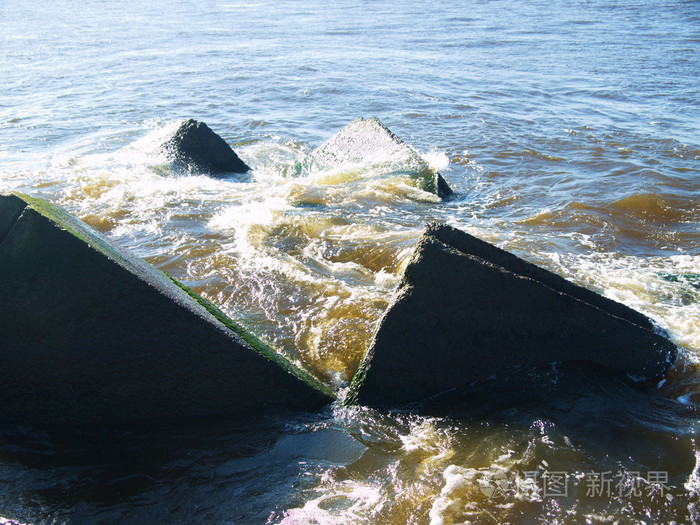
[
  {"x": 426, "y": 438},
  {"x": 639, "y": 283},
  {"x": 692, "y": 485},
  {"x": 260, "y": 212},
  {"x": 348, "y": 502},
  {"x": 5, "y": 521},
  {"x": 436, "y": 159}
]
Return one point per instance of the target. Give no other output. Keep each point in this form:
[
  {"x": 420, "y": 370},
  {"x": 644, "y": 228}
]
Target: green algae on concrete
[
  {"x": 92, "y": 333},
  {"x": 467, "y": 311}
]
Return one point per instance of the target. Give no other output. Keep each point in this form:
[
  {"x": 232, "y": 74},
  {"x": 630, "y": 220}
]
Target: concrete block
[
  {"x": 368, "y": 141},
  {"x": 91, "y": 333},
  {"x": 467, "y": 311},
  {"x": 194, "y": 147}
]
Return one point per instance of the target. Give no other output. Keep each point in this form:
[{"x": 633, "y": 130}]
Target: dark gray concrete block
[
  {"x": 11, "y": 209},
  {"x": 195, "y": 147},
  {"x": 467, "y": 311},
  {"x": 91, "y": 333}
]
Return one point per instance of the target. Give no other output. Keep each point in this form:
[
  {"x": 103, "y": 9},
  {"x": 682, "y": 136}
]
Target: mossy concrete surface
[
  {"x": 467, "y": 311},
  {"x": 91, "y": 333}
]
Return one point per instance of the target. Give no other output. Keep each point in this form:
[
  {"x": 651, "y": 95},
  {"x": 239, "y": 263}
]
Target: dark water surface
[{"x": 570, "y": 132}]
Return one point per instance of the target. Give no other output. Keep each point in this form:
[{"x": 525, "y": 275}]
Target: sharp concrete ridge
[
  {"x": 91, "y": 333},
  {"x": 193, "y": 146},
  {"x": 467, "y": 311},
  {"x": 369, "y": 141}
]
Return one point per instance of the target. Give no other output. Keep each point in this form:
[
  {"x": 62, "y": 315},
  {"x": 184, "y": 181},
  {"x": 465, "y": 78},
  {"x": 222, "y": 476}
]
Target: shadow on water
[
  {"x": 579, "y": 397},
  {"x": 249, "y": 469},
  {"x": 213, "y": 470},
  {"x": 580, "y": 420}
]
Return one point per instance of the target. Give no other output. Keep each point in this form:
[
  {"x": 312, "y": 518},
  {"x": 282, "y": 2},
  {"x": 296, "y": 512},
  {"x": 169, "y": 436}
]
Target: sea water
[{"x": 569, "y": 132}]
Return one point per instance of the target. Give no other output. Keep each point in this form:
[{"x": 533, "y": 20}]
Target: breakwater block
[
  {"x": 467, "y": 311},
  {"x": 193, "y": 146},
  {"x": 368, "y": 141},
  {"x": 91, "y": 333}
]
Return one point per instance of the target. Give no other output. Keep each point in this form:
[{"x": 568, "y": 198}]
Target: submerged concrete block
[
  {"x": 193, "y": 146},
  {"x": 467, "y": 311},
  {"x": 89, "y": 333},
  {"x": 369, "y": 141}
]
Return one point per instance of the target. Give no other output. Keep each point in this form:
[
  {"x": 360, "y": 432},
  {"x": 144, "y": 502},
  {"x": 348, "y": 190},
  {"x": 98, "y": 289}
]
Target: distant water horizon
[{"x": 570, "y": 134}]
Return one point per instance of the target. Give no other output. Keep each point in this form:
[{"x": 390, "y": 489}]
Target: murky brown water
[{"x": 569, "y": 133}]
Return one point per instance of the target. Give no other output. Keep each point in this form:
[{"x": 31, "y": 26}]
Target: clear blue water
[{"x": 570, "y": 131}]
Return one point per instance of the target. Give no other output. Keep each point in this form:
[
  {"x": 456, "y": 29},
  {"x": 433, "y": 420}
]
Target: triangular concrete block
[
  {"x": 191, "y": 146},
  {"x": 368, "y": 141},
  {"x": 89, "y": 332},
  {"x": 467, "y": 311}
]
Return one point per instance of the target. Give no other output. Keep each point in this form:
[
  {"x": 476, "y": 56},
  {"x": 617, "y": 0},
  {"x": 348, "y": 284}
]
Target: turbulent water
[{"x": 570, "y": 134}]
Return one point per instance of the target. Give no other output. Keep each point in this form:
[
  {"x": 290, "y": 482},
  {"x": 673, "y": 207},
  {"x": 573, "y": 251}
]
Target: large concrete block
[
  {"x": 193, "y": 146},
  {"x": 368, "y": 141},
  {"x": 467, "y": 311},
  {"x": 89, "y": 332}
]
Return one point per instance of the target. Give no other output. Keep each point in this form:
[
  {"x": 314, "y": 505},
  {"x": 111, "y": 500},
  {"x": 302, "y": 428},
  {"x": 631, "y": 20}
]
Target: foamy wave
[
  {"x": 5, "y": 521},
  {"x": 438, "y": 160},
  {"x": 349, "y": 502},
  {"x": 642, "y": 284}
]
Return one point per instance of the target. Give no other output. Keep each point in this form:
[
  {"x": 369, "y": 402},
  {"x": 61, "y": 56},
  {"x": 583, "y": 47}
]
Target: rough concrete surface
[
  {"x": 368, "y": 141},
  {"x": 466, "y": 311},
  {"x": 195, "y": 147},
  {"x": 89, "y": 333}
]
